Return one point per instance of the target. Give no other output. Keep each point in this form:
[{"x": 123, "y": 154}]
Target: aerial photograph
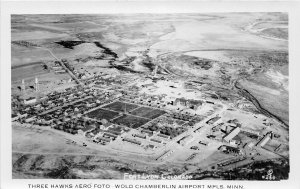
[{"x": 185, "y": 96}]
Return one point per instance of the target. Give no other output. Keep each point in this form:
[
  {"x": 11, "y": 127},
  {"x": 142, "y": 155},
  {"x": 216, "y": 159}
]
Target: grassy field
[
  {"x": 120, "y": 106},
  {"x": 131, "y": 121},
  {"x": 102, "y": 114},
  {"x": 146, "y": 112},
  {"x": 25, "y": 72}
]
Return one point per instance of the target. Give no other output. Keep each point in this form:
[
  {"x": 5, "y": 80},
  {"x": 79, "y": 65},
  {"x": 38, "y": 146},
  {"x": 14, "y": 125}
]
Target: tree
[{"x": 45, "y": 67}]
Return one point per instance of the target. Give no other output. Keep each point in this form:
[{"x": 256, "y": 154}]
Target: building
[
  {"x": 203, "y": 143},
  {"x": 155, "y": 140},
  {"x": 60, "y": 71},
  {"x": 23, "y": 86},
  {"x": 264, "y": 140},
  {"x": 132, "y": 141},
  {"x": 30, "y": 100},
  {"x": 230, "y": 149},
  {"x": 57, "y": 67},
  {"x": 249, "y": 131},
  {"x": 213, "y": 120},
  {"x": 186, "y": 140},
  {"x": 102, "y": 139},
  {"x": 180, "y": 101},
  {"x": 250, "y": 145},
  {"x": 163, "y": 136},
  {"x": 195, "y": 148},
  {"x": 36, "y": 84},
  {"x": 150, "y": 133},
  {"x": 151, "y": 146},
  {"x": 139, "y": 136},
  {"x": 110, "y": 135},
  {"x": 192, "y": 104},
  {"x": 232, "y": 134}
]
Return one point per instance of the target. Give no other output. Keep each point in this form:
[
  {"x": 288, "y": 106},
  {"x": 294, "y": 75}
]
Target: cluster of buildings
[
  {"x": 180, "y": 116},
  {"x": 149, "y": 139},
  {"x": 65, "y": 110},
  {"x": 188, "y": 103},
  {"x": 105, "y": 133},
  {"x": 161, "y": 127},
  {"x": 265, "y": 139},
  {"x": 68, "y": 104},
  {"x": 236, "y": 139},
  {"x": 144, "y": 99}
]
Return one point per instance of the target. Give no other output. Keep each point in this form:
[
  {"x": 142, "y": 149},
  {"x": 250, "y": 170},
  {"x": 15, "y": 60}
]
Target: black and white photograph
[
  {"x": 195, "y": 96},
  {"x": 141, "y": 95}
]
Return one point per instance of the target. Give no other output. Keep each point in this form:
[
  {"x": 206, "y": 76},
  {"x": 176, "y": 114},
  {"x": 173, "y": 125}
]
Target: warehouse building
[
  {"x": 186, "y": 140},
  {"x": 264, "y": 140},
  {"x": 232, "y": 134}
]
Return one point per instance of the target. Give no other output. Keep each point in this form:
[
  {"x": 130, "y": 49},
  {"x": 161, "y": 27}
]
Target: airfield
[{"x": 102, "y": 96}]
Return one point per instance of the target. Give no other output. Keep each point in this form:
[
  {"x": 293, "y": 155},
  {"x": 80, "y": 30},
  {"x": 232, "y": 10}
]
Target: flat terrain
[
  {"x": 102, "y": 114},
  {"x": 131, "y": 121},
  {"x": 120, "y": 106},
  {"x": 27, "y": 140},
  {"x": 28, "y": 71},
  {"x": 149, "y": 113}
]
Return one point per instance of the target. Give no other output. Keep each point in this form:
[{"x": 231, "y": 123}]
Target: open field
[
  {"x": 28, "y": 71},
  {"x": 213, "y": 55},
  {"x": 131, "y": 121},
  {"x": 23, "y": 55},
  {"x": 33, "y": 140},
  {"x": 214, "y": 34},
  {"x": 102, "y": 114},
  {"x": 36, "y": 35},
  {"x": 149, "y": 113},
  {"x": 120, "y": 106},
  {"x": 281, "y": 33},
  {"x": 277, "y": 30}
]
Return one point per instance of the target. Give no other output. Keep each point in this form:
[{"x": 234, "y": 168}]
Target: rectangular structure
[{"x": 232, "y": 134}]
